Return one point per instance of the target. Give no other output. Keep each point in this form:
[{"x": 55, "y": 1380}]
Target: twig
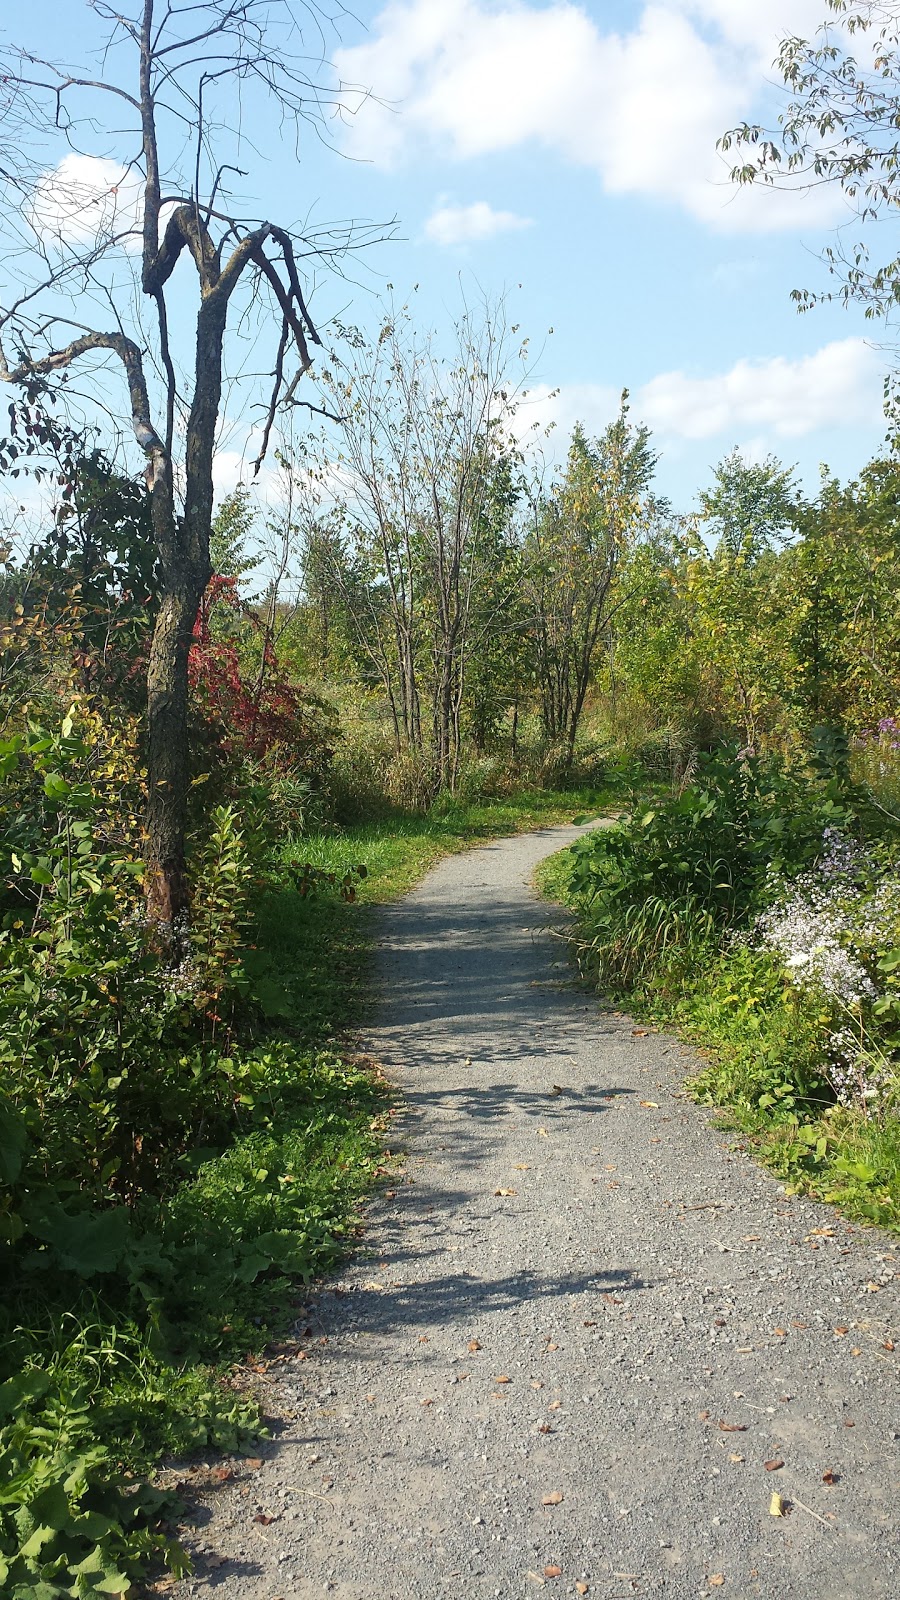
[{"x": 824, "y": 1520}]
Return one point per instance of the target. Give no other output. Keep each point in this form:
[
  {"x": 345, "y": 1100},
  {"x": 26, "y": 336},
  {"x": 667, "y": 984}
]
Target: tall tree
[
  {"x": 169, "y": 96},
  {"x": 423, "y": 454},
  {"x": 750, "y": 504},
  {"x": 580, "y": 533}
]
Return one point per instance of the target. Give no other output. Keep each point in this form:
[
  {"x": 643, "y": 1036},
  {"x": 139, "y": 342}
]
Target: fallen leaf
[
  {"x": 552, "y": 1572},
  {"x": 781, "y": 1333},
  {"x": 521, "y": 1166},
  {"x": 731, "y": 1427},
  {"x": 888, "y": 1344},
  {"x": 841, "y": 1331},
  {"x": 704, "y": 1416},
  {"x": 639, "y": 1033},
  {"x": 551, "y": 1346},
  {"x": 555, "y": 1405},
  {"x": 543, "y": 1134},
  {"x": 554, "y": 1499},
  {"x": 856, "y": 1351},
  {"x": 537, "y": 1383},
  {"x": 426, "y": 1402},
  {"x": 589, "y": 1324},
  {"x": 253, "y": 1462},
  {"x": 581, "y": 1588},
  {"x": 506, "y": 1191},
  {"x": 776, "y": 1504},
  {"x": 735, "y": 1456},
  {"x": 474, "y": 1345},
  {"x": 716, "y": 1579},
  {"x": 221, "y": 1474},
  {"x": 264, "y": 1519},
  {"x": 652, "y": 1105},
  {"x": 503, "y": 1379},
  {"x": 774, "y": 1464},
  {"x": 545, "y": 1428},
  {"x": 751, "y": 1238},
  {"x": 848, "y": 1423},
  {"x": 830, "y": 1477},
  {"x": 873, "y": 1288}
]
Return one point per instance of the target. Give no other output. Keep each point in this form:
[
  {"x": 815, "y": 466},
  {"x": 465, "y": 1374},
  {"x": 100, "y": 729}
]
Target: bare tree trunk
[{"x": 168, "y": 756}]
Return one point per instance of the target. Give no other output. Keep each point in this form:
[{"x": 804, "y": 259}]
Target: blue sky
[{"x": 564, "y": 154}]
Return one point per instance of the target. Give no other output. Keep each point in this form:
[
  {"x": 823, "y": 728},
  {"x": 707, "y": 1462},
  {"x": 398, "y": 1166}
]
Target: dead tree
[{"x": 191, "y": 73}]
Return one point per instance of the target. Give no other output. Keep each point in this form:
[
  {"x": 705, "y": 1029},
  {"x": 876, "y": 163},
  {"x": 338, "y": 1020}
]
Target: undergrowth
[
  {"x": 181, "y": 1150},
  {"x": 756, "y": 912}
]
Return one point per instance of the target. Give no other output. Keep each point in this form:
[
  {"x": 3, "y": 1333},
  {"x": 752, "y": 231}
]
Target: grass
[{"x": 762, "y": 1041}]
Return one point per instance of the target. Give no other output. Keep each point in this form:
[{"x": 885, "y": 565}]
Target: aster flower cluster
[
  {"x": 829, "y": 925},
  {"x": 859, "y": 1076}
]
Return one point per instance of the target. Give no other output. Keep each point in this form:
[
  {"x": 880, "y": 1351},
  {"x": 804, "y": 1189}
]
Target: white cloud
[
  {"x": 837, "y": 386},
  {"x": 643, "y": 107},
  {"x": 450, "y": 225},
  {"x": 86, "y": 198},
  {"x": 758, "y": 401}
]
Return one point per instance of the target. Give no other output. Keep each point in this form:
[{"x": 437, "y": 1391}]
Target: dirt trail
[{"x": 581, "y": 1328}]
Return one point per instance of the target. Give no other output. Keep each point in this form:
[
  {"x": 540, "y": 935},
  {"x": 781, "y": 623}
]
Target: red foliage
[{"x": 257, "y": 710}]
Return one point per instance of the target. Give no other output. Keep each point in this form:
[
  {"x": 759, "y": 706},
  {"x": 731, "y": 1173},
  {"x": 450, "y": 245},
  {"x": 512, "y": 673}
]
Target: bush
[{"x": 675, "y": 876}]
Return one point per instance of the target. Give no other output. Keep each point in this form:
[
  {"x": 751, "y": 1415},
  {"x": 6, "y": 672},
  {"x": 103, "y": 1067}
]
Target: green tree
[
  {"x": 844, "y": 580},
  {"x": 580, "y": 533},
  {"x": 750, "y": 504}
]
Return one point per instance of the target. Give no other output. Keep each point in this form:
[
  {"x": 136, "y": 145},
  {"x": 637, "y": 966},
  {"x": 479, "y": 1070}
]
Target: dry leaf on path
[
  {"x": 543, "y": 1134},
  {"x": 731, "y": 1427},
  {"x": 735, "y": 1456},
  {"x": 505, "y": 1191},
  {"x": 503, "y": 1379},
  {"x": 653, "y": 1105},
  {"x": 830, "y": 1477},
  {"x": 581, "y": 1588},
  {"x": 474, "y": 1345},
  {"x": 552, "y": 1572},
  {"x": 554, "y": 1499},
  {"x": 716, "y": 1579},
  {"x": 774, "y": 1464},
  {"x": 776, "y": 1504}
]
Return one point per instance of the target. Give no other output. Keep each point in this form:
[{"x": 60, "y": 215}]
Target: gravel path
[{"x": 586, "y": 1340}]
